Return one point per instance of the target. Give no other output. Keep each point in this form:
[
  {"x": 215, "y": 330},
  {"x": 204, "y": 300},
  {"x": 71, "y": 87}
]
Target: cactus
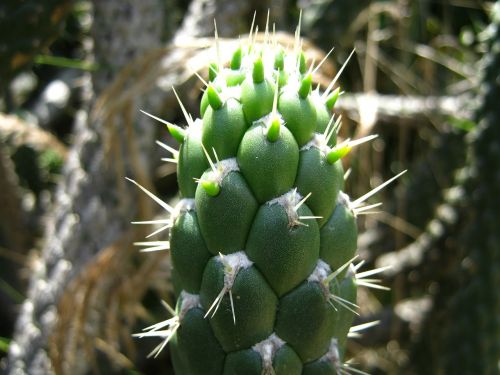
[{"x": 263, "y": 240}]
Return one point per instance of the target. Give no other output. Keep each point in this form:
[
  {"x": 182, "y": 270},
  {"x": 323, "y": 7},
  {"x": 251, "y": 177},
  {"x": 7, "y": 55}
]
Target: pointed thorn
[
  {"x": 327, "y": 129},
  {"x": 187, "y": 116},
  {"x": 310, "y": 217},
  {"x": 168, "y": 307},
  {"x": 363, "y": 198},
  {"x": 297, "y": 36},
  {"x": 330, "y": 86},
  {"x": 333, "y": 275},
  {"x": 159, "y": 230},
  {"x": 148, "y": 222},
  {"x": 157, "y": 118},
  {"x": 347, "y": 174},
  {"x": 232, "y": 306},
  {"x": 372, "y": 285},
  {"x": 217, "y": 46},
  {"x": 266, "y": 32},
  {"x": 345, "y": 303},
  {"x": 250, "y": 39},
  {"x": 209, "y": 159},
  {"x": 375, "y": 271},
  {"x": 170, "y": 149},
  {"x": 355, "y": 370},
  {"x": 297, "y": 206},
  {"x": 163, "y": 204},
  {"x": 366, "y": 208},
  {"x": 213, "y": 70},
  {"x": 216, "y": 303},
  {"x": 362, "y": 140},
  {"x": 323, "y": 60},
  {"x": 215, "y": 155},
  {"x": 276, "y": 94},
  {"x": 335, "y": 129},
  {"x": 200, "y": 78},
  {"x": 362, "y": 327}
]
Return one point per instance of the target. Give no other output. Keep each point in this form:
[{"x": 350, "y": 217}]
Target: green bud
[
  {"x": 177, "y": 132},
  {"x": 258, "y": 71},
  {"x": 214, "y": 98},
  {"x": 273, "y": 132},
  {"x": 305, "y": 86},
  {"x": 236, "y": 59},
  {"x": 279, "y": 60},
  {"x": 332, "y": 98},
  {"x": 211, "y": 187},
  {"x": 337, "y": 153},
  {"x": 213, "y": 70},
  {"x": 302, "y": 63}
]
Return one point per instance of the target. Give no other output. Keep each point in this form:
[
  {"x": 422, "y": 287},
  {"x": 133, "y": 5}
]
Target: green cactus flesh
[{"x": 263, "y": 239}]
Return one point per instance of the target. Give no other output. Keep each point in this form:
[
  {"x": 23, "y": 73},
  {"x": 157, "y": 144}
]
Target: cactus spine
[{"x": 263, "y": 240}]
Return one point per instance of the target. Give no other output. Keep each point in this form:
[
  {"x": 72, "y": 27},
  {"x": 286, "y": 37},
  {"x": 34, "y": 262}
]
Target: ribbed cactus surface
[{"x": 262, "y": 241}]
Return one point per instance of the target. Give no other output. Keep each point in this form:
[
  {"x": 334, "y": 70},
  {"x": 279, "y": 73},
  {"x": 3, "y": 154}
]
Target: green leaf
[
  {"x": 11, "y": 292},
  {"x": 64, "y": 62},
  {"x": 464, "y": 124},
  {"x": 4, "y": 344}
]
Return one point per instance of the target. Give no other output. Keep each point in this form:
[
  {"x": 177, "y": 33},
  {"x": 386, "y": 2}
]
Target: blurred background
[{"x": 425, "y": 76}]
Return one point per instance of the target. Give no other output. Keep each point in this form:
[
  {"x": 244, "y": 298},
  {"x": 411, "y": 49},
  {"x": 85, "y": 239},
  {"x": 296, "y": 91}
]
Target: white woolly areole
[
  {"x": 332, "y": 355},
  {"x": 291, "y": 66},
  {"x": 189, "y": 301},
  {"x": 233, "y": 263},
  {"x": 344, "y": 200},
  {"x": 265, "y": 121},
  {"x": 319, "y": 274},
  {"x": 195, "y": 128},
  {"x": 351, "y": 271},
  {"x": 289, "y": 202},
  {"x": 222, "y": 169},
  {"x": 319, "y": 141},
  {"x": 184, "y": 205},
  {"x": 227, "y": 92},
  {"x": 267, "y": 348}
]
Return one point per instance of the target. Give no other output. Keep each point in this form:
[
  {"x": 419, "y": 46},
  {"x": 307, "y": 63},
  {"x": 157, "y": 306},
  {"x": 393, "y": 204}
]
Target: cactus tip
[
  {"x": 302, "y": 63},
  {"x": 177, "y": 132},
  {"x": 332, "y": 99},
  {"x": 213, "y": 70},
  {"x": 214, "y": 98},
  {"x": 212, "y": 188},
  {"x": 305, "y": 86},
  {"x": 273, "y": 130},
  {"x": 338, "y": 153},
  {"x": 236, "y": 59},
  {"x": 258, "y": 70},
  {"x": 279, "y": 59}
]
